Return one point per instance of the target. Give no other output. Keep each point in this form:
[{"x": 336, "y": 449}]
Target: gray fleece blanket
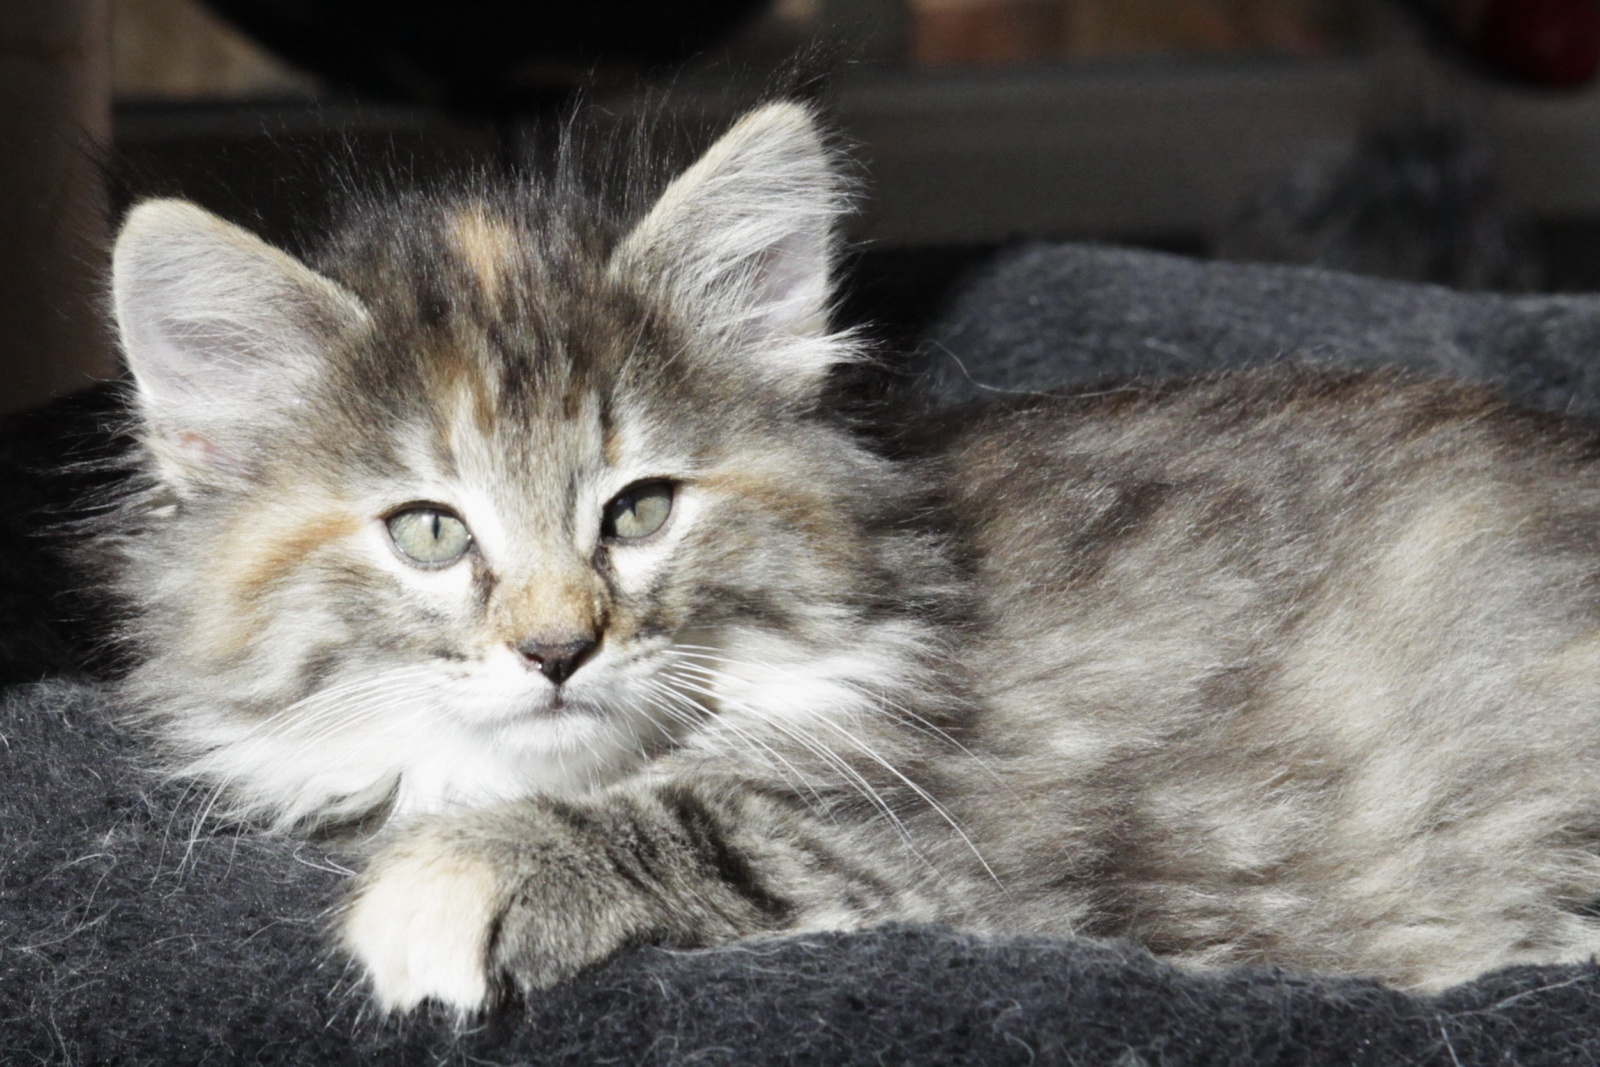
[
  {"x": 1052, "y": 316},
  {"x": 133, "y": 932}
]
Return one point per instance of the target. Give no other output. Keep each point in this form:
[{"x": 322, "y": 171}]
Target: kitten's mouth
[
  {"x": 558, "y": 705},
  {"x": 528, "y": 711}
]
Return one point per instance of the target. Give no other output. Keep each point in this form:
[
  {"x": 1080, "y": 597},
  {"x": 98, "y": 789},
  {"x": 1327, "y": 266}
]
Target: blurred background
[{"x": 1452, "y": 141}]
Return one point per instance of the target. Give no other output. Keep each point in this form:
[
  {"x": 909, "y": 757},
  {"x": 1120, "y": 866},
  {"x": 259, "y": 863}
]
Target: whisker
[
  {"x": 333, "y": 711},
  {"x": 862, "y": 785},
  {"x": 857, "y": 743},
  {"x": 794, "y": 776},
  {"x": 877, "y": 701}
]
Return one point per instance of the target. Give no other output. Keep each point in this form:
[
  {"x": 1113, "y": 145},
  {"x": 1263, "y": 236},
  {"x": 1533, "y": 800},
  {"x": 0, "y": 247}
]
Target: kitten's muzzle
[{"x": 556, "y": 660}]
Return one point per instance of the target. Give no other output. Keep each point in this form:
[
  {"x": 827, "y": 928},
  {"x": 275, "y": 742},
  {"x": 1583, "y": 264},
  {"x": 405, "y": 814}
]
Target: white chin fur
[{"x": 420, "y": 751}]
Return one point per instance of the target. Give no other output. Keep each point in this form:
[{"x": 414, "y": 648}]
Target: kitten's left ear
[{"x": 744, "y": 241}]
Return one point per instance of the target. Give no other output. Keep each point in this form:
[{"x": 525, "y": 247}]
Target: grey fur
[{"x": 1284, "y": 666}]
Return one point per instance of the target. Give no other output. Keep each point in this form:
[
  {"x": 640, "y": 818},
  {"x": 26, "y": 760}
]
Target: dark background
[{"x": 1453, "y": 141}]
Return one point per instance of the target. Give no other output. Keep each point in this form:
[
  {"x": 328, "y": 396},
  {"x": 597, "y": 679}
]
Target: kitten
[{"x": 522, "y": 527}]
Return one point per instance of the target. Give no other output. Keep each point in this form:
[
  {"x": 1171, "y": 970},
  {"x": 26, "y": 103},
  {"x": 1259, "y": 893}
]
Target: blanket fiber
[
  {"x": 132, "y": 931},
  {"x": 1048, "y": 316}
]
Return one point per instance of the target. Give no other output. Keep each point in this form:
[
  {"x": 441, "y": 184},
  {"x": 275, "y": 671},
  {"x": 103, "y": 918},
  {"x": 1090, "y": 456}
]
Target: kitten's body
[
  {"x": 1304, "y": 665},
  {"x": 1283, "y": 666}
]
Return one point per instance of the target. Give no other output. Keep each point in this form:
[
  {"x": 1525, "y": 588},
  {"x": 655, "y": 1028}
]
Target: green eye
[
  {"x": 638, "y": 511},
  {"x": 429, "y": 536}
]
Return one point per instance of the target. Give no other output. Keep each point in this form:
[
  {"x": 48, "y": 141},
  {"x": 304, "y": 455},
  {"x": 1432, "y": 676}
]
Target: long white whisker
[
  {"x": 833, "y": 759},
  {"x": 332, "y": 700},
  {"x": 877, "y": 701},
  {"x": 794, "y": 776},
  {"x": 343, "y": 708},
  {"x": 862, "y": 747}
]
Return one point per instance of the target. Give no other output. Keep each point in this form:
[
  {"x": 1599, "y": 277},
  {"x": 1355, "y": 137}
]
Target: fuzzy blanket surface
[
  {"x": 1047, "y": 316},
  {"x": 133, "y": 931}
]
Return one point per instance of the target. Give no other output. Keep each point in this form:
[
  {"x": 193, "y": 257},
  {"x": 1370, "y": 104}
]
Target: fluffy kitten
[{"x": 526, "y": 527}]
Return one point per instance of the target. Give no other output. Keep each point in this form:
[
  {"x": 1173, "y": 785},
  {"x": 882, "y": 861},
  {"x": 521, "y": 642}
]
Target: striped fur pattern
[{"x": 1286, "y": 666}]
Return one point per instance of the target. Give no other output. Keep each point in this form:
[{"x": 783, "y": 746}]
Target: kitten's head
[{"x": 497, "y": 498}]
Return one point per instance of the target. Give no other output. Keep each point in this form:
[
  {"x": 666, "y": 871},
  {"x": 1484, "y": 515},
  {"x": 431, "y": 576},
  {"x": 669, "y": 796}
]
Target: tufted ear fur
[
  {"x": 217, "y": 327},
  {"x": 744, "y": 240}
]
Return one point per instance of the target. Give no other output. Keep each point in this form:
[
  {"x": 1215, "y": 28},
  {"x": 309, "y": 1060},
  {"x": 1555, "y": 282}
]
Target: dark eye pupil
[
  {"x": 638, "y": 511},
  {"x": 429, "y": 536}
]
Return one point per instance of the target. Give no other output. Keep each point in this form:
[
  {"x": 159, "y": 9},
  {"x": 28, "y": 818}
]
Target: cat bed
[
  {"x": 1052, "y": 316},
  {"x": 134, "y": 931}
]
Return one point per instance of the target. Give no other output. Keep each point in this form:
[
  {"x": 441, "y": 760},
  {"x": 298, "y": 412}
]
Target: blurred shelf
[
  {"x": 1135, "y": 149},
  {"x": 1127, "y": 150}
]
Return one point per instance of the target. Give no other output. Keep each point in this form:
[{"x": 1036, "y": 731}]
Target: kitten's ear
[
  {"x": 217, "y": 326},
  {"x": 745, "y": 239}
]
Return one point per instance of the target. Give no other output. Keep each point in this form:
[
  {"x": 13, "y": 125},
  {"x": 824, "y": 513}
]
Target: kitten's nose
[{"x": 556, "y": 660}]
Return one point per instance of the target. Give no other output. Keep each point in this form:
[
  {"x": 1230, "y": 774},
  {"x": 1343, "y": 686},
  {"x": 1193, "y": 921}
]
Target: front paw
[
  {"x": 515, "y": 898},
  {"x": 420, "y": 923}
]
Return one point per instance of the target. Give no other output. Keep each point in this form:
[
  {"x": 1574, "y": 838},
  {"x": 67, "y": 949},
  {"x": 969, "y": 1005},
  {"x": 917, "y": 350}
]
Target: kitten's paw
[{"x": 419, "y": 925}]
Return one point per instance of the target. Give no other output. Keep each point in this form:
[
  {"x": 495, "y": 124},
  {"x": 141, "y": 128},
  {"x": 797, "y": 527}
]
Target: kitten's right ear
[{"x": 217, "y": 326}]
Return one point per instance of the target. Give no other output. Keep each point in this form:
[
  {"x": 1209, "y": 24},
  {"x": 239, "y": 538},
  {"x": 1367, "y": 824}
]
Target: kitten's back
[{"x": 1309, "y": 662}]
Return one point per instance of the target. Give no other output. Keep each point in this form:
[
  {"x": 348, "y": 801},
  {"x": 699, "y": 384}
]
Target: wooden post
[{"x": 55, "y": 113}]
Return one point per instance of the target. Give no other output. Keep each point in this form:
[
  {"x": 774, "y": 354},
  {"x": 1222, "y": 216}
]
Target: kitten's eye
[
  {"x": 638, "y": 511},
  {"x": 429, "y": 536}
]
